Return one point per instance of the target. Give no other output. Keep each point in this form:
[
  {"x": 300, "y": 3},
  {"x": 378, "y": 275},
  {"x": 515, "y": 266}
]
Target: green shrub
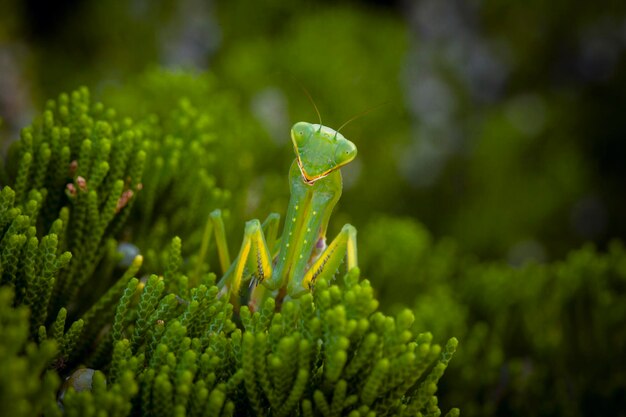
[
  {"x": 539, "y": 339},
  {"x": 84, "y": 176}
]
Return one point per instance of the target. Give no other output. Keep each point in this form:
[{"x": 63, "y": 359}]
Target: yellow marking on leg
[
  {"x": 351, "y": 249},
  {"x": 241, "y": 263}
]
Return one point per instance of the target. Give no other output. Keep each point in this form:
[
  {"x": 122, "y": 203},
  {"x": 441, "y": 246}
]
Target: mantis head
[{"x": 320, "y": 150}]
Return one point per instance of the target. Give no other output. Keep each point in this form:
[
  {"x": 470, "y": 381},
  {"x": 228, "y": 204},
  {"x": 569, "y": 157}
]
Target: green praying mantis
[{"x": 293, "y": 262}]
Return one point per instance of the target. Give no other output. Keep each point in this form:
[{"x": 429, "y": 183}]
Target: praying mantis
[{"x": 293, "y": 262}]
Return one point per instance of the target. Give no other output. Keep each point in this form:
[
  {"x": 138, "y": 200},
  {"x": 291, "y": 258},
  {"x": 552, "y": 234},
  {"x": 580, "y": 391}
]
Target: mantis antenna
[
  {"x": 313, "y": 103},
  {"x": 319, "y": 116},
  {"x": 363, "y": 113}
]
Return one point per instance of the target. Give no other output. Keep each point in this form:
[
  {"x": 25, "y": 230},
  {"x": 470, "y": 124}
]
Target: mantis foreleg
[
  {"x": 270, "y": 230},
  {"x": 328, "y": 262},
  {"x": 254, "y": 259},
  {"x": 306, "y": 222},
  {"x": 293, "y": 262}
]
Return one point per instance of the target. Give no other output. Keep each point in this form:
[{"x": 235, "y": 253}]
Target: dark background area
[
  {"x": 500, "y": 143},
  {"x": 502, "y": 127}
]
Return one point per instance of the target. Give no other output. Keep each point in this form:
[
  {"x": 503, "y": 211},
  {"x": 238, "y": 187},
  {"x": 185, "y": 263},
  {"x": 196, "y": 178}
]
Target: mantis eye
[
  {"x": 346, "y": 152},
  {"x": 300, "y": 131}
]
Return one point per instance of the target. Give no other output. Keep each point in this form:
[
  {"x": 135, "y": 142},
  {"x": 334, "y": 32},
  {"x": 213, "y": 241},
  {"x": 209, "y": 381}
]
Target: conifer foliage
[{"x": 83, "y": 334}]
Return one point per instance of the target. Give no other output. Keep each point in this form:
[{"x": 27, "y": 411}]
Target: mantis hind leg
[
  {"x": 220, "y": 239},
  {"x": 214, "y": 226},
  {"x": 327, "y": 264}
]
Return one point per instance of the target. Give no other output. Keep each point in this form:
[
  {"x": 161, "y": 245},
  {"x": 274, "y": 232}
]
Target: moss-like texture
[
  {"x": 503, "y": 130},
  {"x": 95, "y": 287},
  {"x": 539, "y": 339},
  {"x": 86, "y": 183}
]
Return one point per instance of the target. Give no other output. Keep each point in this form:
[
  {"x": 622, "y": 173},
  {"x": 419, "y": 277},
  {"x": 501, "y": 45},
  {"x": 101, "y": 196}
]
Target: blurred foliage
[
  {"x": 502, "y": 130},
  {"x": 23, "y": 360},
  {"x": 201, "y": 145},
  {"x": 540, "y": 339},
  {"x": 498, "y": 136}
]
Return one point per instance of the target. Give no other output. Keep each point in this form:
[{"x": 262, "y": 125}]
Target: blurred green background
[
  {"x": 501, "y": 141},
  {"x": 502, "y": 125}
]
